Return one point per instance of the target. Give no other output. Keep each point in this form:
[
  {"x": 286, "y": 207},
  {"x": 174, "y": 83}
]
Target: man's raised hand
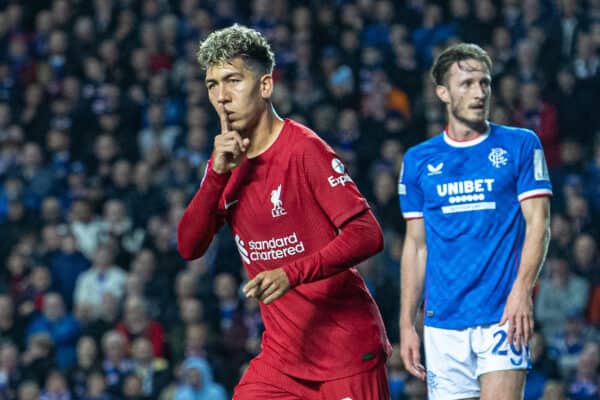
[{"x": 230, "y": 147}]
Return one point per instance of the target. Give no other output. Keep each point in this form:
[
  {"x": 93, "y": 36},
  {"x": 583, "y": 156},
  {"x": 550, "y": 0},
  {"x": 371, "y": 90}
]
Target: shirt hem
[{"x": 300, "y": 372}]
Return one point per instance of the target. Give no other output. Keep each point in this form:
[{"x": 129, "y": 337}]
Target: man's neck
[
  {"x": 461, "y": 132},
  {"x": 264, "y": 134}
]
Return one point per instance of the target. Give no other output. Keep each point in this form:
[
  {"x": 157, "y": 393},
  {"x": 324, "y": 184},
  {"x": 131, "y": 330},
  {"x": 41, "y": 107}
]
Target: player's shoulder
[
  {"x": 425, "y": 148},
  {"x": 513, "y": 135},
  {"x": 303, "y": 139}
]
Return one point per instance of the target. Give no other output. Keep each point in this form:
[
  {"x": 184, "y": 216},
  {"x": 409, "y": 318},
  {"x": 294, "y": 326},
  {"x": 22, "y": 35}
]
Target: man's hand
[
  {"x": 518, "y": 311},
  {"x": 229, "y": 146},
  {"x": 410, "y": 352},
  {"x": 268, "y": 286}
]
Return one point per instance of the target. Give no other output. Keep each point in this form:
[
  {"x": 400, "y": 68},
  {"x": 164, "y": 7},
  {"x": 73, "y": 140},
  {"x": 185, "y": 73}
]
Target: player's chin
[{"x": 478, "y": 115}]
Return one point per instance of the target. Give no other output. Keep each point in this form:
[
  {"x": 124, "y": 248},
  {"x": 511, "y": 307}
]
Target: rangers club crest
[{"x": 497, "y": 157}]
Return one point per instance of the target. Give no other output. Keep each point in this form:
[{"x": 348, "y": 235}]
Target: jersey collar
[{"x": 466, "y": 143}]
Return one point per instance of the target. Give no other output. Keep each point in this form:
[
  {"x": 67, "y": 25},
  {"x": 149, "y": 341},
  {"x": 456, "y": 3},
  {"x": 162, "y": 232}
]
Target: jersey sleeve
[
  {"x": 533, "y": 178},
  {"x": 201, "y": 218},
  {"x": 409, "y": 190},
  {"x": 333, "y": 189}
]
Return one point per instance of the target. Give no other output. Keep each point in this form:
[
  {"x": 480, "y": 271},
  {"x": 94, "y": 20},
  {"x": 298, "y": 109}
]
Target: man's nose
[
  {"x": 222, "y": 94},
  {"x": 479, "y": 91}
]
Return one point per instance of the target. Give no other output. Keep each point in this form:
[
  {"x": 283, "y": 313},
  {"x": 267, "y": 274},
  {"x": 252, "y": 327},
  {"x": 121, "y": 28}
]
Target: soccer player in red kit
[{"x": 300, "y": 225}]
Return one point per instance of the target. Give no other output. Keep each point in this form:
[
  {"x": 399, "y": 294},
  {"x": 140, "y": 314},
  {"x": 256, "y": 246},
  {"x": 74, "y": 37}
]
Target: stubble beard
[{"x": 478, "y": 123}]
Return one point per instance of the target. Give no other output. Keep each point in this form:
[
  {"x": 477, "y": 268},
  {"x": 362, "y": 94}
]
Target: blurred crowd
[{"x": 105, "y": 129}]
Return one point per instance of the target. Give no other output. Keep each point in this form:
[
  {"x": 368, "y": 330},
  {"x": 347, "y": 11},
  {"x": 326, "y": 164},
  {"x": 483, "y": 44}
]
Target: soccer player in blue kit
[{"x": 476, "y": 201}]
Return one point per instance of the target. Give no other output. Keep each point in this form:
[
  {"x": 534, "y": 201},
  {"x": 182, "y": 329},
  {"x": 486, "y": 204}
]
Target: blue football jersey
[{"x": 469, "y": 195}]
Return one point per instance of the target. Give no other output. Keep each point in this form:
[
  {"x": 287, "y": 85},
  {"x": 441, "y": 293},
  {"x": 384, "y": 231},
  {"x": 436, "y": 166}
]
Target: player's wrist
[
  {"x": 524, "y": 286},
  {"x": 407, "y": 324},
  {"x": 221, "y": 170}
]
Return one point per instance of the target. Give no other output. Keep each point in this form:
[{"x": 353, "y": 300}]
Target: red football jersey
[{"x": 283, "y": 205}]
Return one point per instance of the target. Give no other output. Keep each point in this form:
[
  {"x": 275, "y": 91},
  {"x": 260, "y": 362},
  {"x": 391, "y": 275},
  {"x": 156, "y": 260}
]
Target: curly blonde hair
[{"x": 222, "y": 46}]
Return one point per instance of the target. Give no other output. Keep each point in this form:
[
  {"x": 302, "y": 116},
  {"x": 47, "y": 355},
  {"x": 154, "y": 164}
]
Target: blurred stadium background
[{"x": 105, "y": 128}]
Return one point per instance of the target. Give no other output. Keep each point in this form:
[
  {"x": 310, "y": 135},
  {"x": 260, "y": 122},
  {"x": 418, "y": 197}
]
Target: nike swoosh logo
[{"x": 228, "y": 205}]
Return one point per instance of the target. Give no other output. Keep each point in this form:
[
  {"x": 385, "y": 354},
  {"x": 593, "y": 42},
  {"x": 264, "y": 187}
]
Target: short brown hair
[
  {"x": 457, "y": 53},
  {"x": 224, "y": 45}
]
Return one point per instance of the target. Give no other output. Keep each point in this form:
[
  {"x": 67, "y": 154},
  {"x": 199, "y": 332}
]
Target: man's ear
[
  {"x": 442, "y": 93},
  {"x": 266, "y": 86}
]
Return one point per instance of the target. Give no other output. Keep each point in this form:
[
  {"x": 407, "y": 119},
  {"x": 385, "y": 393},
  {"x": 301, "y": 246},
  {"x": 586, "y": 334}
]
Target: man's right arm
[
  {"x": 201, "y": 219},
  {"x": 414, "y": 257}
]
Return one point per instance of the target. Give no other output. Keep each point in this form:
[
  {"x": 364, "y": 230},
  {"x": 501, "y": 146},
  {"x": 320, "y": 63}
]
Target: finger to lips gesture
[
  {"x": 267, "y": 286},
  {"x": 229, "y": 145}
]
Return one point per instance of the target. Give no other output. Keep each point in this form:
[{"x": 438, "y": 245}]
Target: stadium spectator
[{"x": 78, "y": 81}]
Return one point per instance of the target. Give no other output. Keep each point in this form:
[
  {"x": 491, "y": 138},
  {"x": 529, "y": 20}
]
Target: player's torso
[
  {"x": 461, "y": 185},
  {"x": 273, "y": 214}
]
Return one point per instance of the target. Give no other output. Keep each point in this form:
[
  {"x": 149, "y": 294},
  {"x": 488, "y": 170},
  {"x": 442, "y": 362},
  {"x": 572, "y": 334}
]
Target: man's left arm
[
  {"x": 518, "y": 310},
  {"x": 359, "y": 239},
  {"x": 336, "y": 194}
]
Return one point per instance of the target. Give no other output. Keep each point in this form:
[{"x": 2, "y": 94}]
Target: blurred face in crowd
[
  {"x": 135, "y": 312},
  {"x": 585, "y": 250},
  {"x": 132, "y": 386},
  {"x": 185, "y": 285},
  {"x": 9, "y": 356},
  {"x": 105, "y": 148},
  {"x": 86, "y": 351},
  {"x": 559, "y": 271},
  {"x": 141, "y": 350},
  {"x": 530, "y": 96},
  {"x": 40, "y": 278},
  {"x": 225, "y": 286},
  {"x": 240, "y": 92},
  {"x": 53, "y": 306},
  {"x": 29, "y": 390},
  {"x": 57, "y": 141},
  {"x": 191, "y": 310},
  {"x": 96, "y": 384},
  {"x": 121, "y": 173},
  {"x": 103, "y": 257},
  {"x": 384, "y": 187},
  {"x": 196, "y": 336},
  {"x": 6, "y": 307},
  {"x": 144, "y": 264},
  {"x": 113, "y": 345},
  {"x": 467, "y": 92},
  {"x": 114, "y": 211},
  {"x": 32, "y": 154},
  {"x": 55, "y": 383}
]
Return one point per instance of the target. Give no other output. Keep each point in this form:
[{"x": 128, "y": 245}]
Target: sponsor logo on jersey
[
  {"x": 277, "y": 210},
  {"x": 230, "y": 204},
  {"x": 339, "y": 168},
  {"x": 471, "y": 192},
  {"x": 540, "y": 168},
  {"x": 276, "y": 248},
  {"x": 497, "y": 157},
  {"x": 243, "y": 252},
  {"x": 434, "y": 169}
]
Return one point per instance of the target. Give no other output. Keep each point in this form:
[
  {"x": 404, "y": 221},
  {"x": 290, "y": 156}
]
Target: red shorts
[{"x": 262, "y": 381}]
